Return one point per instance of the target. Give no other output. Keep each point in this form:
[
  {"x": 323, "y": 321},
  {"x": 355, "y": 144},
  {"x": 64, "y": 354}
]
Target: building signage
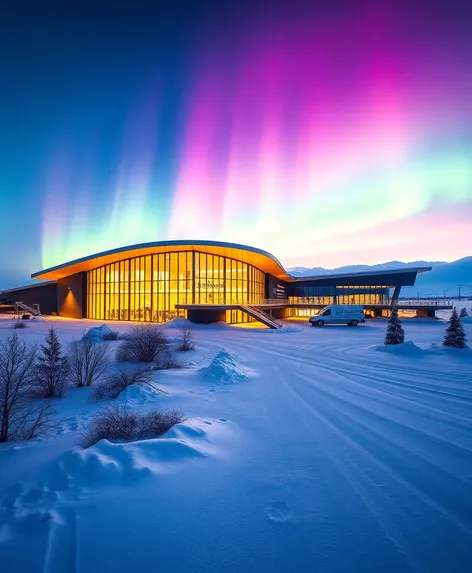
[{"x": 209, "y": 285}]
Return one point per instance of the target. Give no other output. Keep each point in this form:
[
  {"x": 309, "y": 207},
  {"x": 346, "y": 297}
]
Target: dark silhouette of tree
[
  {"x": 21, "y": 416},
  {"x": 52, "y": 368},
  {"x": 87, "y": 361},
  {"x": 455, "y": 335},
  {"x": 395, "y": 333}
]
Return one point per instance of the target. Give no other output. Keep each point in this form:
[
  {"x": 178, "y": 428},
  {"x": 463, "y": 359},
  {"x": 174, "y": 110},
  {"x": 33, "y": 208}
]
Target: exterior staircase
[
  {"x": 34, "y": 310},
  {"x": 260, "y": 315}
]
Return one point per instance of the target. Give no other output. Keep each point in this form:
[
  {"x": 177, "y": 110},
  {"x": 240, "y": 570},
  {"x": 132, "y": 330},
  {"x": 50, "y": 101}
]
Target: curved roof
[{"x": 256, "y": 257}]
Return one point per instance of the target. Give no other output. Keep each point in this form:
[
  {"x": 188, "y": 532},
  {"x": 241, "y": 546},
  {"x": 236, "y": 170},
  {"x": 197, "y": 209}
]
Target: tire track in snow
[
  {"x": 344, "y": 411},
  {"x": 331, "y": 522},
  {"x": 332, "y": 476},
  {"x": 382, "y": 460},
  {"x": 420, "y": 389},
  {"x": 348, "y": 471},
  {"x": 394, "y": 512}
]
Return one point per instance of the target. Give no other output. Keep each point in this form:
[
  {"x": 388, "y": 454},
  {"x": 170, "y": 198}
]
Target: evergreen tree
[
  {"x": 395, "y": 333},
  {"x": 52, "y": 367},
  {"x": 463, "y": 313},
  {"x": 455, "y": 335}
]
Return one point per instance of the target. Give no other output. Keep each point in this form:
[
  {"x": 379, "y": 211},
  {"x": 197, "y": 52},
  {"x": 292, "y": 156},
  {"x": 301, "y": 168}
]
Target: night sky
[{"x": 327, "y": 133}]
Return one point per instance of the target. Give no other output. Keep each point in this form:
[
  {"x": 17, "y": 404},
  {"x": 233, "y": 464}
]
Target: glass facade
[
  {"x": 305, "y": 312},
  {"x": 339, "y": 295},
  {"x": 362, "y": 295},
  {"x": 148, "y": 288}
]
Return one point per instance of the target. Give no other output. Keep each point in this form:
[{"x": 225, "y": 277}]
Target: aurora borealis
[{"x": 327, "y": 136}]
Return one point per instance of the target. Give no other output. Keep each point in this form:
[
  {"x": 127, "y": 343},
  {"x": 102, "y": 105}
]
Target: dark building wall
[
  {"x": 71, "y": 296},
  {"x": 279, "y": 312},
  {"x": 310, "y": 289},
  {"x": 275, "y": 288},
  {"x": 205, "y": 316},
  {"x": 44, "y": 295}
]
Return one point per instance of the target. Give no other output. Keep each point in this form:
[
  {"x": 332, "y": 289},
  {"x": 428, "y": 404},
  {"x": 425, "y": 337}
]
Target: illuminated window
[{"x": 148, "y": 288}]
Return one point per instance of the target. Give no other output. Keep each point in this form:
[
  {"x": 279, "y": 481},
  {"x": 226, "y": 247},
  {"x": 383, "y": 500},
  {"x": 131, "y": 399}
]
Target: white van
[{"x": 350, "y": 314}]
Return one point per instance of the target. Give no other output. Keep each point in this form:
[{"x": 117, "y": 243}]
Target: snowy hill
[
  {"x": 444, "y": 279},
  {"x": 304, "y": 271}
]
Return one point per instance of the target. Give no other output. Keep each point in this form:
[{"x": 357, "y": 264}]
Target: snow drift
[
  {"x": 225, "y": 369},
  {"x": 99, "y": 333},
  {"x": 404, "y": 349}
]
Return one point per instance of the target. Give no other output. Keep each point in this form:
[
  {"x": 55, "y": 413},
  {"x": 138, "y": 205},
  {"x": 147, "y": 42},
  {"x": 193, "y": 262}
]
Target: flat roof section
[
  {"x": 34, "y": 285},
  {"x": 400, "y": 270}
]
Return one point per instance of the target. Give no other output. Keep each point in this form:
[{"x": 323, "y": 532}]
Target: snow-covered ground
[{"x": 304, "y": 450}]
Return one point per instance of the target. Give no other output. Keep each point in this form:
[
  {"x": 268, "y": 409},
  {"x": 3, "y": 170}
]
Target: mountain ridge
[
  {"x": 313, "y": 271},
  {"x": 445, "y": 278}
]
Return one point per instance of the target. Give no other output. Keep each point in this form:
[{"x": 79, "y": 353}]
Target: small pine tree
[
  {"x": 455, "y": 335},
  {"x": 395, "y": 333},
  {"x": 463, "y": 313},
  {"x": 52, "y": 367}
]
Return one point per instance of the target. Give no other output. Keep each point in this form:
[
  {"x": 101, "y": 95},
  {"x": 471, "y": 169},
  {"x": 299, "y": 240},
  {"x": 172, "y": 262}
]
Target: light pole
[
  {"x": 460, "y": 286},
  {"x": 445, "y": 291}
]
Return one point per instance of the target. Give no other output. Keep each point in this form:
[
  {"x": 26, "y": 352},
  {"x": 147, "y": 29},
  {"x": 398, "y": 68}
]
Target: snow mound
[
  {"x": 288, "y": 328},
  {"x": 140, "y": 393},
  {"x": 225, "y": 369},
  {"x": 179, "y": 323},
  {"x": 98, "y": 333},
  {"x": 437, "y": 350},
  {"x": 405, "y": 349},
  {"x": 78, "y": 472},
  {"x": 108, "y": 463}
]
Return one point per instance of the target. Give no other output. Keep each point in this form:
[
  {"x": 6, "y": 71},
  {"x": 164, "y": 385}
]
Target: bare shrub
[
  {"x": 112, "y": 423},
  {"x": 36, "y": 421},
  {"x": 143, "y": 343},
  {"x": 158, "y": 422},
  {"x": 117, "y": 423},
  {"x": 21, "y": 418},
  {"x": 52, "y": 367},
  {"x": 112, "y": 335},
  {"x": 116, "y": 382},
  {"x": 166, "y": 361},
  {"x": 463, "y": 313},
  {"x": 187, "y": 342},
  {"x": 19, "y": 324},
  {"x": 87, "y": 362}
]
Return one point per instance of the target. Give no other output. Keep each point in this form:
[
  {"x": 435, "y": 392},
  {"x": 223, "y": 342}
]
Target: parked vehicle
[{"x": 350, "y": 314}]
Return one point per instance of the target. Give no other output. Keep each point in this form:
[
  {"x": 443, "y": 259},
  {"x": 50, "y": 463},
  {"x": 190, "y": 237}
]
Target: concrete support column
[
  {"x": 426, "y": 312},
  {"x": 396, "y": 294},
  {"x": 206, "y": 316},
  {"x": 278, "y": 312}
]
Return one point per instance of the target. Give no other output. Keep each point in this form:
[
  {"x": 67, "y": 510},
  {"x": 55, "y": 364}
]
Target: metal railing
[
  {"x": 34, "y": 310},
  {"x": 260, "y": 315},
  {"x": 425, "y": 302}
]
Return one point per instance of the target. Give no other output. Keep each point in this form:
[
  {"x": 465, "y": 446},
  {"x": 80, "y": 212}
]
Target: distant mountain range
[{"x": 444, "y": 280}]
